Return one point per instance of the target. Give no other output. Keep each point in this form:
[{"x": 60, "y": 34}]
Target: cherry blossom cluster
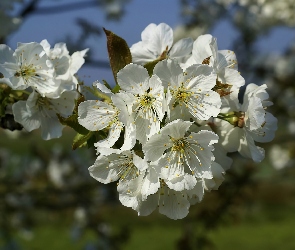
[
  {"x": 168, "y": 132},
  {"x": 163, "y": 132},
  {"x": 48, "y": 76}
]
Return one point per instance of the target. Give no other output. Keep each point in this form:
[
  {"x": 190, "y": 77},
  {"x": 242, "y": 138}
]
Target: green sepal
[
  {"x": 116, "y": 89},
  {"x": 72, "y": 122},
  {"x": 151, "y": 65},
  {"x": 98, "y": 93},
  {"x": 107, "y": 84},
  {"x": 119, "y": 52},
  {"x": 88, "y": 139},
  {"x": 93, "y": 90}
]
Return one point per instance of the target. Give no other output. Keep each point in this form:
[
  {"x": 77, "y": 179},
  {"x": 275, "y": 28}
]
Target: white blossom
[
  {"x": 173, "y": 204},
  {"x": 157, "y": 42},
  {"x": 249, "y": 124},
  {"x": 182, "y": 158},
  {"x": 96, "y": 115},
  {"x": 117, "y": 165},
  {"x": 28, "y": 66},
  {"x": 65, "y": 66},
  {"x": 39, "y": 111},
  {"x": 280, "y": 157},
  {"x": 223, "y": 62},
  {"x": 189, "y": 93},
  {"x": 149, "y": 104}
]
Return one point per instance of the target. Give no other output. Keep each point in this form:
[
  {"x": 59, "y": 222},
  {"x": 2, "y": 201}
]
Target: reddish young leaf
[{"x": 119, "y": 53}]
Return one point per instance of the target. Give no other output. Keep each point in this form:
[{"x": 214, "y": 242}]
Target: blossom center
[
  {"x": 146, "y": 100},
  {"x": 181, "y": 95},
  {"x": 164, "y": 54},
  {"x": 26, "y": 71},
  {"x": 127, "y": 169},
  {"x": 179, "y": 145},
  {"x": 237, "y": 119},
  {"x": 115, "y": 119},
  {"x": 43, "y": 102}
]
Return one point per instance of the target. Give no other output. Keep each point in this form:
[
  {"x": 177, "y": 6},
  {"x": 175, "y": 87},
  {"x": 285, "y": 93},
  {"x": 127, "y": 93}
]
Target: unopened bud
[{"x": 235, "y": 118}]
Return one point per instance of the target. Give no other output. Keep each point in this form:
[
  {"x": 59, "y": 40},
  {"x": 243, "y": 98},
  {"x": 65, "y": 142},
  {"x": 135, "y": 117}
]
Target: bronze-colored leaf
[{"x": 119, "y": 52}]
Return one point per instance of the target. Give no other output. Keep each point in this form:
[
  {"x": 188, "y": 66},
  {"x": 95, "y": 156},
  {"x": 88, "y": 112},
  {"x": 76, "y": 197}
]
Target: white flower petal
[
  {"x": 141, "y": 54},
  {"x": 158, "y": 38},
  {"x": 196, "y": 194},
  {"x": 173, "y": 204},
  {"x": 151, "y": 183},
  {"x": 102, "y": 88},
  {"x": 23, "y": 116},
  {"x": 50, "y": 127},
  {"x": 156, "y": 146},
  {"x": 201, "y": 48},
  {"x": 266, "y": 132},
  {"x": 182, "y": 48},
  {"x": 248, "y": 149},
  {"x": 169, "y": 72},
  {"x": 176, "y": 128},
  {"x": 184, "y": 182},
  {"x": 129, "y": 137},
  {"x": 113, "y": 136},
  {"x": 227, "y": 59},
  {"x": 130, "y": 78},
  {"x": 95, "y": 115},
  {"x": 102, "y": 171}
]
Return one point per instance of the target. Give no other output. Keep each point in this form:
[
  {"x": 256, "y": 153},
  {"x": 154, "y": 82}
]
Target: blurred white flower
[
  {"x": 80, "y": 215},
  {"x": 279, "y": 157},
  {"x": 291, "y": 127},
  {"x": 11, "y": 23}
]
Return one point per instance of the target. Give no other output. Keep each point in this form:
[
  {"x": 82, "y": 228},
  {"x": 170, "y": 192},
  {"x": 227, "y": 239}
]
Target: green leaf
[
  {"x": 93, "y": 139},
  {"x": 80, "y": 140},
  {"x": 119, "y": 52}
]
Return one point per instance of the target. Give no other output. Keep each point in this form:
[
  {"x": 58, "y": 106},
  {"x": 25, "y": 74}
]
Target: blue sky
[{"x": 138, "y": 15}]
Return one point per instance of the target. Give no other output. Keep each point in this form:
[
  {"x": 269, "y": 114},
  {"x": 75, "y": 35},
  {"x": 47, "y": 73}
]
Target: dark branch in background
[
  {"x": 31, "y": 8},
  {"x": 28, "y": 9}
]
